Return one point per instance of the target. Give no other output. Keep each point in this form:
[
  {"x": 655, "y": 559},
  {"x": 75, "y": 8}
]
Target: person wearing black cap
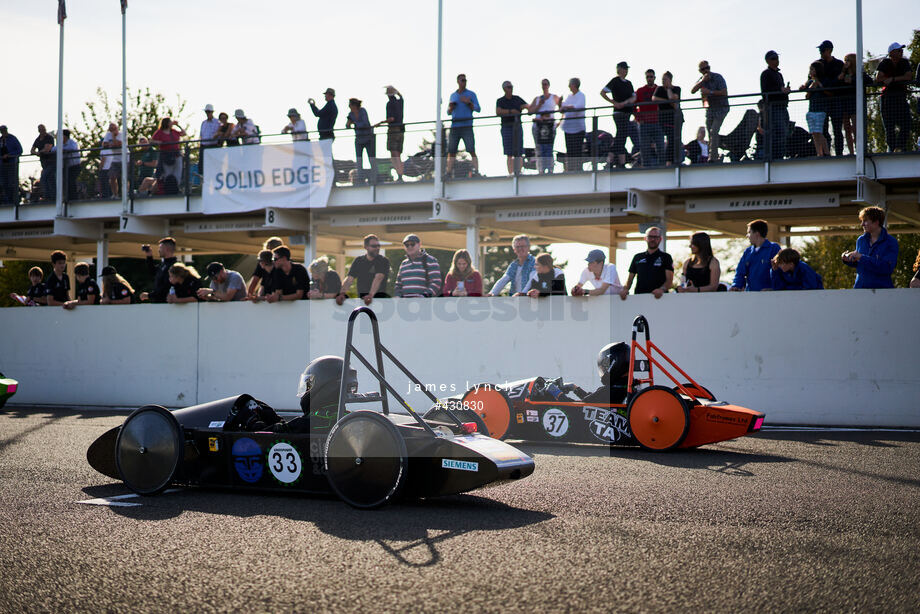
[
  {"x": 87, "y": 292},
  {"x": 620, "y": 93},
  {"x": 326, "y": 115},
  {"x": 226, "y": 285},
  {"x": 166, "y": 249},
  {"x": 419, "y": 274},
  {"x": 894, "y": 73},
  {"x": 833, "y": 70},
  {"x": 776, "y": 102},
  {"x": 115, "y": 289}
]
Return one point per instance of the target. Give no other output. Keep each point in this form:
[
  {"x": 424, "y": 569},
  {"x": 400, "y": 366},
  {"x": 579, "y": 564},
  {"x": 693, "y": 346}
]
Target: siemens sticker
[{"x": 251, "y": 177}]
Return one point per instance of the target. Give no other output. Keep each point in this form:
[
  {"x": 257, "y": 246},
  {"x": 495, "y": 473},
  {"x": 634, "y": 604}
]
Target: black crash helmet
[
  {"x": 321, "y": 380},
  {"x": 613, "y": 362}
]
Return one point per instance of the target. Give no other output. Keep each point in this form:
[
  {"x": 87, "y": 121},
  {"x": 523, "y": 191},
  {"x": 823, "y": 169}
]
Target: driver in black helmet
[{"x": 613, "y": 367}]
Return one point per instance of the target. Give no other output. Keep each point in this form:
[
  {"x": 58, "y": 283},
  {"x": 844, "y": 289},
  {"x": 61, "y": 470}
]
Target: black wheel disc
[
  {"x": 366, "y": 459},
  {"x": 148, "y": 449}
]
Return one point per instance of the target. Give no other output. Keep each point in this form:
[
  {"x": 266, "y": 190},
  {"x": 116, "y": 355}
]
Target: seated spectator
[
  {"x": 146, "y": 163},
  {"x": 325, "y": 283},
  {"x": 701, "y": 270},
  {"x": 57, "y": 284},
  {"x": 790, "y": 273},
  {"x": 290, "y": 281},
  {"x": 261, "y": 277},
  {"x": 698, "y": 150},
  {"x": 546, "y": 279},
  {"x": 753, "y": 272},
  {"x": 876, "y": 252},
  {"x": 185, "y": 283},
  {"x": 519, "y": 271},
  {"x": 419, "y": 274},
  {"x": 225, "y": 286},
  {"x": 87, "y": 289},
  {"x": 115, "y": 289},
  {"x": 370, "y": 272},
  {"x": 602, "y": 277},
  {"x": 915, "y": 282},
  {"x": 462, "y": 279},
  {"x": 37, "y": 293}
]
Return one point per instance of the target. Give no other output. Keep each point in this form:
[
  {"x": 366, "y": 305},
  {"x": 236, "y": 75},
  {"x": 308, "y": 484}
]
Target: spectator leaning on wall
[
  {"x": 790, "y": 273},
  {"x": 166, "y": 248},
  {"x": 419, "y": 274},
  {"x": 876, "y": 252},
  {"x": 753, "y": 272},
  {"x": 225, "y": 286}
]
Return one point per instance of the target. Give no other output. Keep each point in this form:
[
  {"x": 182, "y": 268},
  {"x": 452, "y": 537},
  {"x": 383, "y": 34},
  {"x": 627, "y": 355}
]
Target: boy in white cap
[
  {"x": 245, "y": 129},
  {"x": 894, "y": 73}
]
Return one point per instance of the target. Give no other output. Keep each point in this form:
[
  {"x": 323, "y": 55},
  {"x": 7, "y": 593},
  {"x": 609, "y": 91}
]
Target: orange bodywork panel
[{"x": 719, "y": 422}]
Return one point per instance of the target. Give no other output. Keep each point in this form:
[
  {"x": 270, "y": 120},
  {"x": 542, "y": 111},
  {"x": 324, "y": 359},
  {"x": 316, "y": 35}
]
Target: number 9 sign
[
  {"x": 284, "y": 462},
  {"x": 555, "y": 422}
]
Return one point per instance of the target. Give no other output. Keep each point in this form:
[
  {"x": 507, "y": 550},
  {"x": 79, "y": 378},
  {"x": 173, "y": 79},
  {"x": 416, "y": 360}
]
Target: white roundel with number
[
  {"x": 284, "y": 462},
  {"x": 555, "y": 422}
]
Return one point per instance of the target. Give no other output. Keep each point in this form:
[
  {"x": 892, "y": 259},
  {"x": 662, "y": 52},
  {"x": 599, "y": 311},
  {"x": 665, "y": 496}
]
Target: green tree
[{"x": 14, "y": 277}]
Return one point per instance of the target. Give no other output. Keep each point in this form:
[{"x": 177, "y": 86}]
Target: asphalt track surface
[{"x": 780, "y": 521}]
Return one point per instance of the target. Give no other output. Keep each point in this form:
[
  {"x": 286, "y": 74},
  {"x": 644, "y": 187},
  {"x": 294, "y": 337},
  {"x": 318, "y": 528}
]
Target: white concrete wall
[{"x": 833, "y": 357}]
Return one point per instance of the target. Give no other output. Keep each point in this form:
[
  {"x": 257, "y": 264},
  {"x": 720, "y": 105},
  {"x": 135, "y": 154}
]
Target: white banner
[
  {"x": 781, "y": 201},
  {"x": 250, "y": 177}
]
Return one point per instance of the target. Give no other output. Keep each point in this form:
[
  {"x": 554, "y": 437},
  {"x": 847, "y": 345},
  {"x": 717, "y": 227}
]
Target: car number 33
[{"x": 284, "y": 462}]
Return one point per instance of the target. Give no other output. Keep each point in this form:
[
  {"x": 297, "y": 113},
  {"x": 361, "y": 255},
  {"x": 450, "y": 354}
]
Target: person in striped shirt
[{"x": 419, "y": 274}]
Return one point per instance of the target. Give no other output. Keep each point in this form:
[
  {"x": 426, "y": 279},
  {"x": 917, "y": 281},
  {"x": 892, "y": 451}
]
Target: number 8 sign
[
  {"x": 284, "y": 462},
  {"x": 555, "y": 422}
]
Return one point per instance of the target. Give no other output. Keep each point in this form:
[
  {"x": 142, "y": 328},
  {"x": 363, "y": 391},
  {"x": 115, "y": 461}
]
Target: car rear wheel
[
  {"x": 366, "y": 459},
  {"x": 148, "y": 449},
  {"x": 492, "y": 406},
  {"x": 658, "y": 418}
]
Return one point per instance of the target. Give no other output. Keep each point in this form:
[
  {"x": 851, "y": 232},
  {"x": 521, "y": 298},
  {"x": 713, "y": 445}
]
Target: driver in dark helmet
[
  {"x": 319, "y": 389},
  {"x": 613, "y": 367}
]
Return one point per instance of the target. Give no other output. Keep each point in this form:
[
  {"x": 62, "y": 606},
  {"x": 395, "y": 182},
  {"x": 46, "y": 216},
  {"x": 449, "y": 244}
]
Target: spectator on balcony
[
  {"x": 370, "y": 272},
  {"x": 650, "y": 137},
  {"x": 208, "y": 135},
  {"x": 169, "y": 170},
  {"x": 818, "y": 101},
  {"x": 110, "y": 178},
  {"x": 832, "y": 69},
  {"x": 714, "y": 92},
  {"x": 261, "y": 276},
  {"x": 10, "y": 150},
  {"x": 876, "y": 252},
  {"x": 419, "y": 274},
  {"x": 166, "y": 250},
  {"x": 396, "y": 129},
  {"x": 701, "y": 270},
  {"x": 894, "y": 73},
  {"x": 915, "y": 281},
  {"x": 653, "y": 269},
  {"x": 788, "y": 272},
  {"x": 185, "y": 282},
  {"x": 37, "y": 294},
  {"x": 42, "y": 148},
  {"x": 670, "y": 118},
  {"x": 573, "y": 126},
  {"x": 520, "y": 269},
  {"x": 326, "y": 115},
  {"x": 619, "y": 92},
  {"x": 463, "y": 103},
  {"x": 87, "y": 290},
  {"x": 462, "y": 279},
  {"x": 224, "y": 134},
  {"x": 545, "y": 280},
  {"x": 753, "y": 271},
  {"x": 325, "y": 283},
  {"x": 71, "y": 153},
  {"x": 57, "y": 284},
  {"x": 602, "y": 277},
  {"x": 775, "y": 92},
  {"x": 146, "y": 164},
  {"x": 226, "y": 285},
  {"x": 296, "y": 126},
  {"x": 847, "y": 79},
  {"x": 544, "y": 107},
  {"x": 365, "y": 140},
  {"x": 290, "y": 280},
  {"x": 509, "y": 107},
  {"x": 115, "y": 289},
  {"x": 698, "y": 149},
  {"x": 245, "y": 129}
]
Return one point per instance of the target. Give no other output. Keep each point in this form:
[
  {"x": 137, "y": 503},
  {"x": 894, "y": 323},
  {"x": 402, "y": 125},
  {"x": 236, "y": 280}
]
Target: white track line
[
  {"x": 839, "y": 429},
  {"x": 118, "y": 500}
]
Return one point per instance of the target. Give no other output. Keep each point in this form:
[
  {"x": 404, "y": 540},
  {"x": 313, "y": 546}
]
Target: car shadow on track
[{"x": 409, "y": 531}]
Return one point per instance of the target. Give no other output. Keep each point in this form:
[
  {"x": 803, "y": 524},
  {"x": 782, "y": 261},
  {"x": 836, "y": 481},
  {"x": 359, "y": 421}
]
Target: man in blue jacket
[
  {"x": 753, "y": 272},
  {"x": 876, "y": 252},
  {"x": 790, "y": 273}
]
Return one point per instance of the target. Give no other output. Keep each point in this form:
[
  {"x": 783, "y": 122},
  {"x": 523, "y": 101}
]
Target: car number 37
[{"x": 555, "y": 422}]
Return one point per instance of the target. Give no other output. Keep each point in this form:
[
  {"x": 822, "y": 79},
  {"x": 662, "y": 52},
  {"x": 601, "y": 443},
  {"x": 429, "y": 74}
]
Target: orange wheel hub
[
  {"x": 492, "y": 406},
  {"x": 658, "y": 418}
]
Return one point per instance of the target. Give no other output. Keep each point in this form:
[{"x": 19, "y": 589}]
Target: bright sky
[{"x": 268, "y": 56}]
